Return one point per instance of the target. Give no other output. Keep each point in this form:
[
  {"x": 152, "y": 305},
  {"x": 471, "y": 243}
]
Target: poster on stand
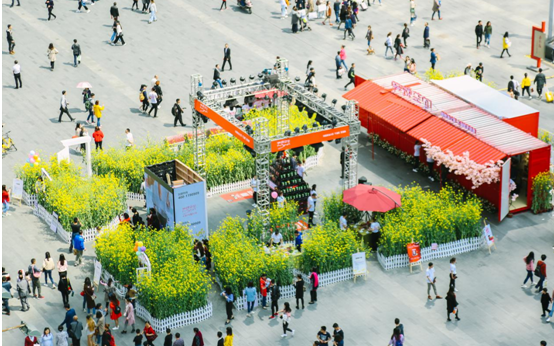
[
  {"x": 414, "y": 252},
  {"x": 190, "y": 208},
  {"x": 17, "y": 188},
  {"x": 488, "y": 235},
  {"x": 97, "y": 272},
  {"x": 359, "y": 265}
]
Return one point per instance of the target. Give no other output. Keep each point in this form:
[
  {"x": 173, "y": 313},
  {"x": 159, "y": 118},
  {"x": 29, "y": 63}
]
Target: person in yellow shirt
[
  {"x": 506, "y": 43},
  {"x": 526, "y": 85},
  {"x": 229, "y": 337},
  {"x": 97, "y": 109}
]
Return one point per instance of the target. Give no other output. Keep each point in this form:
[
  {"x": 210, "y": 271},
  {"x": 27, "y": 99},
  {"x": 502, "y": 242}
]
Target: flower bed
[
  {"x": 284, "y": 219},
  {"x": 328, "y": 249},
  {"x": 428, "y": 217},
  {"x": 176, "y": 284},
  {"x": 296, "y": 119},
  {"x": 427, "y": 254},
  {"x": 543, "y": 192},
  {"x": 239, "y": 259},
  {"x": 333, "y": 207}
]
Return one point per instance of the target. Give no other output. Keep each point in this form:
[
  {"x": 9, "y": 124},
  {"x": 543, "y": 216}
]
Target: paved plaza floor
[{"x": 188, "y": 38}]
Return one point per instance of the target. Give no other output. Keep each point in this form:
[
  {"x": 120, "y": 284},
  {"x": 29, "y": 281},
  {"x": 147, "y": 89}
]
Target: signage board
[
  {"x": 359, "y": 265},
  {"x": 414, "y": 252}
]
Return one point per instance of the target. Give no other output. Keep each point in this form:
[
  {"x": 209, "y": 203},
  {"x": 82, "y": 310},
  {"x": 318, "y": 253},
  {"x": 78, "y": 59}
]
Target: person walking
[
  {"x": 97, "y": 109},
  {"x": 299, "y": 290},
  {"x": 369, "y": 37},
  {"x": 64, "y": 286},
  {"x": 115, "y": 311},
  {"x": 453, "y": 275},
  {"x": 89, "y": 104},
  {"x": 488, "y": 34},
  {"x": 405, "y": 34},
  {"x": 250, "y": 295},
  {"x": 6, "y": 289},
  {"x": 98, "y": 136},
  {"x": 114, "y": 11},
  {"x": 23, "y": 290},
  {"x": 513, "y": 88},
  {"x": 223, "y": 3},
  {"x": 63, "y": 107},
  {"x": 75, "y": 228},
  {"x": 79, "y": 246},
  {"x": 275, "y": 295},
  {"x": 540, "y": 271},
  {"x": 47, "y": 266},
  {"x": 229, "y": 298},
  {"x": 540, "y": 81},
  {"x": 294, "y": 19},
  {"x": 286, "y": 315},
  {"x": 328, "y": 12},
  {"x": 153, "y": 11},
  {"x": 47, "y": 339},
  {"x": 197, "y": 340},
  {"x": 229, "y": 337},
  {"x": 129, "y": 315},
  {"x": 16, "y": 69},
  {"x": 135, "y": 4},
  {"x": 9, "y": 38},
  {"x": 75, "y": 331},
  {"x": 314, "y": 283},
  {"x": 311, "y": 201},
  {"x": 398, "y": 325},
  {"x": 336, "y": 9},
  {"x": 434, "y": 58},
  {"x": 479, "y": 70},
  {"x": 5, "y": 201},
  {"x": 426, "y": 37},
  {"x": 467, "y": 70},
  {"x": 342, "y": 16},
  {"x": 51, "y": 53},
  {"x": 159, "y": 93},
  {"x": 62, "y": 265},
  {"x": 284, "y": 6},
  {"x": 35, "y": 273},
  {"x": 143, "y": 98},
  {"x": 50, "y": 7},
  {"x": 545, "y": 301},
  {"x": 263, "y": 290},
  {"x": 398, "y": 47},
  {"x": 413, "y": 15},
  {"x": 145, "y": 4},
  {"x": 343, "y": 57},
  {"x": 61, "y": 339},
  {"x": 436, "y": 8},
  {"x": 338, "y": 65},
  {"x": 88, "y": 290},
  {"x": 217, "y": 76},
  {"x": 388, "y": 44},
  {"x": 100, "y": 325},
  {"x": 348, "y": 29},
  {"x": 397, "y": 338},
  {"x": 177, "y": 112},
  {"x": 76, "y": 49},
  {"x": 90, "y": 329},
  {"x": 153, "y": 98},
  {"x": 431, "y": 281},
  {"x": 81, "y": 5},
  {"x": 119, "y": 34},
  {"x": 506, "y": 43},
  {"x": 451, "y": 304},
  {"x": 13, "y": 2},
  {"x": 226, "y": 58},
  {"x": 526, "y": 86},
  {"x": 479, "y": 33}
]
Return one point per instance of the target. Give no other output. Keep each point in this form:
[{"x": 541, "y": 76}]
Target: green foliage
[
  {"x": 543, "y": 185},
  {"x": 333, "y": 207}
]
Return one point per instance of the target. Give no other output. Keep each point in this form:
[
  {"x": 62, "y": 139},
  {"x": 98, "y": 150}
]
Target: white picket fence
[
  {"x": 89, "y": 234},
  {"x": 160, "y": 325},
  {"x": 132, "y": 196},
  {"x": 443, "y": 250},
  {"x": 289, "y": 291}
]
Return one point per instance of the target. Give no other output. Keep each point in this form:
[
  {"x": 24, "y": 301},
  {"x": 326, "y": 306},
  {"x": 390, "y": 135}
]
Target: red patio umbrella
[{"x": 371, "y": 198}]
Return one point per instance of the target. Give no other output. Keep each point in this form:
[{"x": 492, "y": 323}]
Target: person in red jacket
[
  {"x": 263, "y": 290},
  {"x": 5, "y": 200},
  {"x": 149, "y": 333},
  {"x": 541, "y": 266},
  {"x": 31, "y": 340},
  {"x": 98, "y": 136}
]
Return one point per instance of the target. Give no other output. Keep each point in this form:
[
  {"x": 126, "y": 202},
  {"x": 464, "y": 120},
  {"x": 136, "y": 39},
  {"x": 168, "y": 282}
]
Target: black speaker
[{"x": 272, "y": 79}]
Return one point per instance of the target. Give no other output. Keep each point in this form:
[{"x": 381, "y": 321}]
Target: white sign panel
[
  {"x": 97, "y": 272},
  {"x": 17, "y": 188},
  {"x": 505, "y": 190},
  {"x": 359, "y": 264}
]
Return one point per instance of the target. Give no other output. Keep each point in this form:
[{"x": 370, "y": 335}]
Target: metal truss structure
[{"x": 209, "y": 103}]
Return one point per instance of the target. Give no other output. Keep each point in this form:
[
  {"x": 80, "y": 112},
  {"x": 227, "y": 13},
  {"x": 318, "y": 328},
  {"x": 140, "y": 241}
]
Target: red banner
[
  {"x": 414, "y": 252},
  {"x": 309, "y": 138},
  {"x": 224, "y": 123}
]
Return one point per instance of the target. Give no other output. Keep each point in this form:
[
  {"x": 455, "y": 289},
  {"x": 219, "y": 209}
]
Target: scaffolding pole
[
  {"x": 199, "y": 132},
  {"x": 262, "y": 147},
  {"x": 351, "y": 154}
]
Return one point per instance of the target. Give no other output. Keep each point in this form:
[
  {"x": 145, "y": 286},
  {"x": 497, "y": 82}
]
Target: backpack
[
  {"x": 174, "y": 111},
  {"x": 538, "y": 270},
  {"x": 87, "y": 104},
  {"x": 141, "y": 96},
  {"x": 111, "y": 340}
]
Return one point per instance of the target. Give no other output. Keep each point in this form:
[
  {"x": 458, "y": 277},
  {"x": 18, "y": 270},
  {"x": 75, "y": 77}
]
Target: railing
[{"x": 443, "y": 250}]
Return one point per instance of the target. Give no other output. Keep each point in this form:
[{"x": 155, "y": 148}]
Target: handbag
[
  {"x": 82, "y": 293},
  {"x": 36, "y": 274}
]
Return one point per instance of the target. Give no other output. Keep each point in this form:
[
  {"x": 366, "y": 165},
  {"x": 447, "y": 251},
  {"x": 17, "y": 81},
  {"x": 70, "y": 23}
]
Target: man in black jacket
[
  {"x": 9, "y": 37},
  {"x": 177, "y": 112},
  {"x": 513, "y": 86},
  {"x": 114, "y": 11},
  {"x": 226, "y": 57},
  {"x": 479, "y": 33},
  {"x": 217, "y": 76},
  {"x": 540, "y": 80},
  {"x": 158, "y": 90},
  {"x": 405, "y": 34},
  {"x": 351, "y": 76}
]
